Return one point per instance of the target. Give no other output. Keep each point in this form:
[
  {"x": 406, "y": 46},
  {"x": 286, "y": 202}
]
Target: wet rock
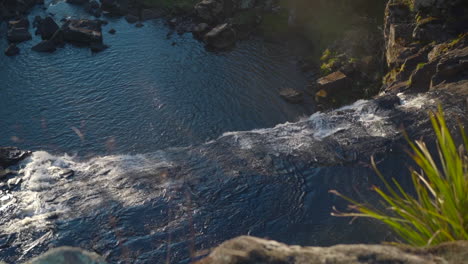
[
  {"x": 131, "y": 18},
  {"x": 200, "y": 29},
  {"x": 94, "y": 4},
  {"x": 98, "y": 47},
  {"x": 82, "y": 31},
  {"x": 78, "y": 2},
  {"x": 172, "y": 22},
  {"x": 247, "y": 250},
  {"x": 45, "y": 46},
  {"x": 333, "y": 84},
  {"x": 292, "y": 95},
  {"x": 399, "y": 36},
  {"x": 68, "y": 255},
  {"x": 47, "y": 28},
  {"x": 20, "y": 23},
  {"x": 209, "y": 10},
  {"x": 221, "y": 37},
  {"x": 112, "y": 31},
  {"x": 139, "y": 25},
  {"x": 11, "y": 155},
  {"x": 12, "y": 183},
  {"x": 12, "y": 50},
  {"x": 453, "y": 66},
  {"x": 18, "y": 35},
  {"x": 147, "y": 14},
  {"x": 67, "y": 173}
]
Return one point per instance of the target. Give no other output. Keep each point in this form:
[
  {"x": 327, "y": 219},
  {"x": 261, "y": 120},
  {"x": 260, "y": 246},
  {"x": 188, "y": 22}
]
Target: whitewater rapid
[{"x": 182, "y": 200}]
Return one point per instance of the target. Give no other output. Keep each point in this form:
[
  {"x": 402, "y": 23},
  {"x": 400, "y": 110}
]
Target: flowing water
[{"x": 135, "y": 157}]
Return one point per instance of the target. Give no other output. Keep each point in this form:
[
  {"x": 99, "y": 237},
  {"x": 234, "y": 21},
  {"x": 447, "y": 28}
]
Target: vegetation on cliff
[{"x": 437, "y": 210}]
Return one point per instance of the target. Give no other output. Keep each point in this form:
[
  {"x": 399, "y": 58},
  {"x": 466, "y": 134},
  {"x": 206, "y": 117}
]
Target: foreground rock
[
  {"x": 68, "y": 255},
  {"x": 47, "y": 28},
  {"x": 11, "y": 155},
  {"x": 247, "y": 250},
  {"x": 17, "y": 35}
]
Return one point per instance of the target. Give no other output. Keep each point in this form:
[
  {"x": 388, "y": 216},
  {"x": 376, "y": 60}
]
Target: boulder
[
  {"x": 47, "y": 28},
  {"x": 131, "y": 18},
  {"x": 221, "y": 37},
  {"x": 11, "y": 156},
  {"x": 147, "y": 14},
  {"x": 452, "y": 67},
  {"x": 292, "y": 95},
  {"x": 200, "y": 29},
  {"x": 18, "y": 35},
  {"x": 112, "y": 31},
  {"x": 12, "y": 50},
  {"x": 210, "y": 10},
  {"x": 334, "y": 83},
  {"x": 68, "y": 255},
  {"x": 45, "y": 46},
  {"x": 250, "y": 250},
  {"x": 78, "y": 2},
  {"x": 82, "y": 31},
  {"x": 20, "y": 23},
  {"x": 420, "y": 80}
]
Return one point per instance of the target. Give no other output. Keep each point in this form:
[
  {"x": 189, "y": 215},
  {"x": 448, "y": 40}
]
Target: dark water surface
[{"x": 141, "y": 94}]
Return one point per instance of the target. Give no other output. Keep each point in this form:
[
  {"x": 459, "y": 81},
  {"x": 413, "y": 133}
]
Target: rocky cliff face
[{"x": 426, "y": 44}]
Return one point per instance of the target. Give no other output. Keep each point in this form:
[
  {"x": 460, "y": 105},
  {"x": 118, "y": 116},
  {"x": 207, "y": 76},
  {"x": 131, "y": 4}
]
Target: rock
[
  {"x": 12, "y": 50},
  {"x": 221, "y": 37},
  {"x": 77, "y": 2},
  {"x": 11, "y": 183},
  {"x": 333, "y": 83},
  {"x": 112, "y": 31},
  {"x": 131, "y": 18},
  {"x": 67, "y": 173},
  {"x": 292, "y": 95},
  {"x": 420, "y": 80},
  {"x": 248, "y": 250},
  {"x": 68, "y": 255},
  {"x": 209, "y": 10},
  {"x": 452, "y": 67},
  {"x": 20, "y": 23},
  {"x": 172, "y": 22},
  {"x": 82, "y": 31},
  {"x": 200, "y": 29},
  {"x": 94, "y": 4},
  {"x": 139, "y": 25},
  {"x": 47, "y": 28},
  {"x": 45, "y": 46},
  {"x": 98, "y": 47},
  {"x": 18, "y": 35},
  {"x": 37, "y": 21},
  {"x": 399, "y": 36},
  {"x": 11, "y": 156},
  {"x": 147, "y": 14}
]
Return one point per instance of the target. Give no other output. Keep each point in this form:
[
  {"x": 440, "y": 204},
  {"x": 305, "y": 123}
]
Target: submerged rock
[
  {"x": 44, "y": 46},
  {"x": 292, "y": 95},
  {"x": 248, "y": 250}
]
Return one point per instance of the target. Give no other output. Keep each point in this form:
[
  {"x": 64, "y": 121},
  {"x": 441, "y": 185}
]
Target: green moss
[
  {"x": 420, "y": 65},
  {"x": 328, "y": 66},
  {"x": 427, "y": 20}
]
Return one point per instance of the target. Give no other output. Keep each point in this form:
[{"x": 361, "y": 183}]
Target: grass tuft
[{"x": 438, "y": 212}]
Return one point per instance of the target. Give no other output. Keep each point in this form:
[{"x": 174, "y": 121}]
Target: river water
[
  {"x": 147, "y": 91},
  {"x": 136, "y": 154}
]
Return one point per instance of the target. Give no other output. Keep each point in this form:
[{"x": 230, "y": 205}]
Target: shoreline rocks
[
  {"x": 10, "y": 156},
  {"x": 246, "y": 250}
]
